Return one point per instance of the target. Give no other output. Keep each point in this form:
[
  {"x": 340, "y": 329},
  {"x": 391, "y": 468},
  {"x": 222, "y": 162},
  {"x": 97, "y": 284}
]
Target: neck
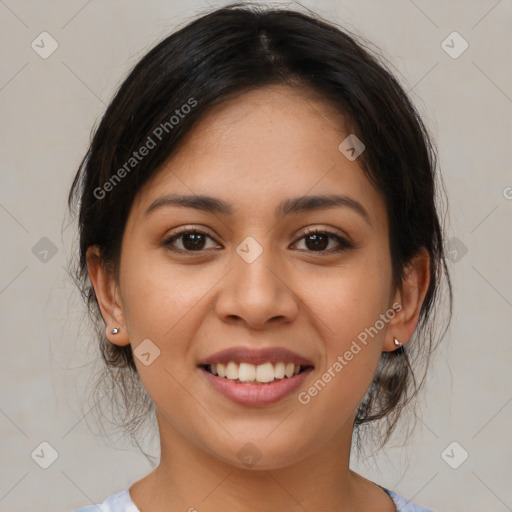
[{"x": 189, "y": 478}]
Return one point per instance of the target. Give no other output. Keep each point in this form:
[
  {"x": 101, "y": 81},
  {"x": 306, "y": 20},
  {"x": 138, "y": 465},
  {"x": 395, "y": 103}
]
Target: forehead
[{"x": 264, "y": 146}]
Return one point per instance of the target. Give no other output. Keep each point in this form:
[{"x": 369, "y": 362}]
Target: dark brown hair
[{"x": 223, "y": 54}]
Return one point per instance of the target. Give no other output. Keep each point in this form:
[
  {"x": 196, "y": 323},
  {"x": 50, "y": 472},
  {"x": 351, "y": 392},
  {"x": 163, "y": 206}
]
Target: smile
[{"x": 255, "y": 377}]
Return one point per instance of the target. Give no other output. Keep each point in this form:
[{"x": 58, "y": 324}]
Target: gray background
[{"x": 48, "y": 107}]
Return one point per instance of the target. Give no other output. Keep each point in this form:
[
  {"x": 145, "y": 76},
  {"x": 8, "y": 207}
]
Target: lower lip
[{"x": 256, "y": 394}]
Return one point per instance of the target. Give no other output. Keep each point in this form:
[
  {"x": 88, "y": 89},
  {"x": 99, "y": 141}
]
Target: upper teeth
[{"x": 246, "y": 372}]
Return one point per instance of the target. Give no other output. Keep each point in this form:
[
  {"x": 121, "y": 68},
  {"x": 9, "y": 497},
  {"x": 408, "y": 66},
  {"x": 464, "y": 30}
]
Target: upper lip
[{"x": 255, "y": 356}]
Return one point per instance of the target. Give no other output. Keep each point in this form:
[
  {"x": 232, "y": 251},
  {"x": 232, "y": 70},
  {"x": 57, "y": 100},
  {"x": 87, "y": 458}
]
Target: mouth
[{"x": 253, "y": 377}]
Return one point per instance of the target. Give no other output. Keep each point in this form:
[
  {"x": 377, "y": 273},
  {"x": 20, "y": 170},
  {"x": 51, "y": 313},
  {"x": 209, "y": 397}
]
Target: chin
[{"x": 260, "y": 454}]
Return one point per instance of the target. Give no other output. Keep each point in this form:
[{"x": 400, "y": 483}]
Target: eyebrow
[{"x": 286, "y": 207}]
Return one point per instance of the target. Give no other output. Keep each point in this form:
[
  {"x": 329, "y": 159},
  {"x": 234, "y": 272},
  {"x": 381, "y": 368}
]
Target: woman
[{"x": 258, "y": 232}]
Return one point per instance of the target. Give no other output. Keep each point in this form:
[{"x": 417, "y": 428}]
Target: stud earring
[
  {"x": 115, "y": 330},
  {"x": 397, "y": 343}
]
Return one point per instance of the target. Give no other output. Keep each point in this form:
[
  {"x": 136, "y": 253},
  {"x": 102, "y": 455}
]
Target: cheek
[
  {"x": 167, "y": 306},
  {"x": 352, "y": 297},
  {"x": 352, "y": 335},
  {"x": 350, "y": 305},
  {"x": 162, "y": 305},
  {"x": 158, "y": 297}
]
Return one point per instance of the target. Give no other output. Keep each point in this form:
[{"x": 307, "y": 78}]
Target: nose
[{"x": 257, "y": 293}]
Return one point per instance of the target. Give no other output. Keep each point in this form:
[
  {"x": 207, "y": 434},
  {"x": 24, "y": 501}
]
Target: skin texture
[{"x": 253, "y": 151}]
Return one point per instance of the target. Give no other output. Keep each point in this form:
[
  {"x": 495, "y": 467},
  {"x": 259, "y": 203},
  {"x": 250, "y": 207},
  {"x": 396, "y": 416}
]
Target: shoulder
[
  {"x": 404, "y": 505},
  {"x": 117, "y": 502}
]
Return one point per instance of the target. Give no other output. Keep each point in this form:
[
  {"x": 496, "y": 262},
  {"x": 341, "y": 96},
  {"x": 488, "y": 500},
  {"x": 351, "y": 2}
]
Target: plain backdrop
[{"x": 49, "y": 106}]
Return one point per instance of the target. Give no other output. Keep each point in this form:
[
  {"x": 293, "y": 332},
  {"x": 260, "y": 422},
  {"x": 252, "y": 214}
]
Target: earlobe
[
  {"x": 410, "y": 296},
  {"x": 106, "y": 290}
]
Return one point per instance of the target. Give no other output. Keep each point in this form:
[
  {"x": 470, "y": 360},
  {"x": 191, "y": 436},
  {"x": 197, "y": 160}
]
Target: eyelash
[{"x": 343, "y": 243}]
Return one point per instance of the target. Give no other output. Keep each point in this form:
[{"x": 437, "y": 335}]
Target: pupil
[
  {"x": 195, "y": 238},
  {"x": 317, "y": 242}
]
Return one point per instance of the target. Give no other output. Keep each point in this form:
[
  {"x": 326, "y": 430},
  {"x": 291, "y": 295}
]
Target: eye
[
  {"x": 190, "y": 241},
  {"x": 317, "y": 240}
]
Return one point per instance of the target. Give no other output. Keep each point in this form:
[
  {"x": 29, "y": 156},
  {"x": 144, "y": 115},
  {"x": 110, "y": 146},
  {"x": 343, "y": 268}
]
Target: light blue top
[{"x": 121, "y": 502}]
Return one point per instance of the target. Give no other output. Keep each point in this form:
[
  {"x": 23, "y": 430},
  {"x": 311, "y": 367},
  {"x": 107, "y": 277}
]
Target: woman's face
[{"x": 254, "y": 279}]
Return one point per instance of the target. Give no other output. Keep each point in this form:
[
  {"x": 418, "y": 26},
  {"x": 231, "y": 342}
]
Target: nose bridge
[{"x": 252, "y": 266}]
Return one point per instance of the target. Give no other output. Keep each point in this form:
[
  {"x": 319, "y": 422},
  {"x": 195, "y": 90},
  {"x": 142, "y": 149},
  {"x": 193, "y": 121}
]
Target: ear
[
  {"x": 106, "y": 290},
  {"x": 410, "y": 297}
]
